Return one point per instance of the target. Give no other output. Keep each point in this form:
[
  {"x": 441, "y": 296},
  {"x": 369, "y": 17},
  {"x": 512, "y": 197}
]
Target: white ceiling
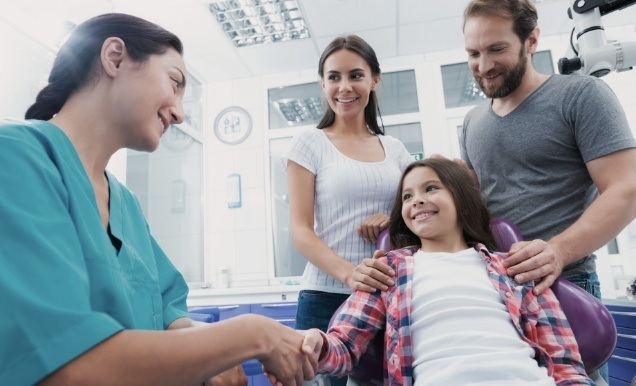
[{"x": 392, "y": 27}]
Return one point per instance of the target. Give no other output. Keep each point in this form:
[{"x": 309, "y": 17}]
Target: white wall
[{"x": 24, "y": 68}]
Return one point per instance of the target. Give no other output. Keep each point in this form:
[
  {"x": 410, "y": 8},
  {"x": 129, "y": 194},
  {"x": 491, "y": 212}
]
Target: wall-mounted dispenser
[
  {"x": 234, "y": 199},
  {"x": 177, "y": 196}
]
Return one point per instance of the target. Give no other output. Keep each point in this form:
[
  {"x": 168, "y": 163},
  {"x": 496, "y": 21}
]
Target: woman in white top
[{"x": 342, "y": 180}]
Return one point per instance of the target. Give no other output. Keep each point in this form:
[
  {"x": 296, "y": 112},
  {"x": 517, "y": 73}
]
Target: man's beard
[{"x": 512, "y": 78}]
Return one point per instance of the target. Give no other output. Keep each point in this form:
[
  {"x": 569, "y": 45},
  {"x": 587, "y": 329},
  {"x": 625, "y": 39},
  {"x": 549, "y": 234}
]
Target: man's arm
[{"x": 615, "y": 177}]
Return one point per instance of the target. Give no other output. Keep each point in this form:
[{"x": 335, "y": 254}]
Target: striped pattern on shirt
[{"x": 347, "y": 192}]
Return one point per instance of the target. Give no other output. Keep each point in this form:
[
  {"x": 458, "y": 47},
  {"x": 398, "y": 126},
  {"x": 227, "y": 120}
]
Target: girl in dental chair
[{"x": 454, "y": 317}]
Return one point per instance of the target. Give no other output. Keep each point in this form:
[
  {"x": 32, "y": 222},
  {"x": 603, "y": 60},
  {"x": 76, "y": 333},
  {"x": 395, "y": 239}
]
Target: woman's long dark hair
[
  {"x": 359, "y": 46},
  {"x": 472, "y": 214},
  {"x": 77, "y": 62}
]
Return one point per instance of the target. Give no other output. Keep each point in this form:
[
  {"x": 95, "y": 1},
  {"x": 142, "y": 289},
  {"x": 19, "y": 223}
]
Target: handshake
[{"x": 292, "y": 356}]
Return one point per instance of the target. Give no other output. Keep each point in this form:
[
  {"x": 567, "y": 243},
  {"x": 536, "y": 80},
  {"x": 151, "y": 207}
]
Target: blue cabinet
[
  {"x": 284, "y": 312},
  {"x": 622, "y": 364}
]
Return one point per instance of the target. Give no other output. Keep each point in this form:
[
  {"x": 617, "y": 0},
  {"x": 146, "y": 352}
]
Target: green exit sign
[{"x": 417, "y": 156}]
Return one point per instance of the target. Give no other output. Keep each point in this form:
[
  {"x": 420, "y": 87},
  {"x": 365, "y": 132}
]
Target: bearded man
[{"x": 554, "y": 154}]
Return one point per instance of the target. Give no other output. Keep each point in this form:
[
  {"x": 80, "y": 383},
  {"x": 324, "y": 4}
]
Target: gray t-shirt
[{"x": 531, "y": 163}]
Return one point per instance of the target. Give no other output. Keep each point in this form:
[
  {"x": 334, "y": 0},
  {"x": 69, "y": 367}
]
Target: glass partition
[
  {"x": 168, "y": 184},
  {"x": 287, "y": 261}
]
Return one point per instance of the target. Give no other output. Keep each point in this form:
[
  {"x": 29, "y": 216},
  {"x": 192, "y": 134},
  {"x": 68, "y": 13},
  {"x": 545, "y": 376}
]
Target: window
[{"x": 460, "y": 88}]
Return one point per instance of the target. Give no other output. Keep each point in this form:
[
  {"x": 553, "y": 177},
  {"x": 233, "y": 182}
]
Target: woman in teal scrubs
[{"x": 87, "y": 294}]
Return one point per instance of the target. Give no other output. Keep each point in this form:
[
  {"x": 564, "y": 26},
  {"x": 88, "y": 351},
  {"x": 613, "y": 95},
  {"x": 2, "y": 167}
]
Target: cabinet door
[
  {"x": 283, "y": 312},
  {"x": 622, "y": 364},
  {"x": 232, "y": 310},
  {"x": 258, "y": 380}
]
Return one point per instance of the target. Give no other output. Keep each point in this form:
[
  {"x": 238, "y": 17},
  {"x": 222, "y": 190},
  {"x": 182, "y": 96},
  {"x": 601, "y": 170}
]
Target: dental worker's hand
[
  {"x": 536, "y": 260},
  {"x": 371, "y": 275},
  {"x": 312, "y": 346},
  {"x": 287, "y": 360}
]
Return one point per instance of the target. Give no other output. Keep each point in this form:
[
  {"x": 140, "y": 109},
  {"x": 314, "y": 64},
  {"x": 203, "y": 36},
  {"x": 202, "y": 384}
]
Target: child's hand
[{"x": 314, "y": 348}]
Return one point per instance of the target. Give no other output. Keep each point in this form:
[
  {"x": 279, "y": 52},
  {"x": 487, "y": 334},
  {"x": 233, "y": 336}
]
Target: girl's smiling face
[{"x": 429, "y": 211}]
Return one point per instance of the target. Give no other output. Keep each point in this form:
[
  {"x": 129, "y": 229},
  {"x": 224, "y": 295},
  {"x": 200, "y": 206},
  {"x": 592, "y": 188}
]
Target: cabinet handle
[
  {"x": 227, "y": 308},
  {"x": 624, "y": 358},
  {"x": 623, "y": 313},
  {"x": 278, "y": 305}
]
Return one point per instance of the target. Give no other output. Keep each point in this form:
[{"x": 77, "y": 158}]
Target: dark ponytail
[{"x": 77, "y": 62}]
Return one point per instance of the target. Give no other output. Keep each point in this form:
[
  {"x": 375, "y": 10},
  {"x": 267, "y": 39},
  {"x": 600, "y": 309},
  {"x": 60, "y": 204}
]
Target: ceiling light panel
[{"x": 250, "y": 22}]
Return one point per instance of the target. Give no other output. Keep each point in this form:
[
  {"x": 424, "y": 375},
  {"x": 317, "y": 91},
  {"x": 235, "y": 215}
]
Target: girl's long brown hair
[{"x": 472, "y": 213}]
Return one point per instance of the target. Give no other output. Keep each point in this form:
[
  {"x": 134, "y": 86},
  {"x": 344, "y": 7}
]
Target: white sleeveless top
[
  {"x": 462, "y": 332},
  {"x": 347, "y": 192}
]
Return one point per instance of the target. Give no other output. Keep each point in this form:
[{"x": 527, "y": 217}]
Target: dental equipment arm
[{"x": 593, "y": 54}]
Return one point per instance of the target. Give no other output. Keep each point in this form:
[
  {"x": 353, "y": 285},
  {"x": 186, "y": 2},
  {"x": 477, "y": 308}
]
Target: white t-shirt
[
  {"x": 462, "y": 332},
  {"x": 347, "y": 192}
]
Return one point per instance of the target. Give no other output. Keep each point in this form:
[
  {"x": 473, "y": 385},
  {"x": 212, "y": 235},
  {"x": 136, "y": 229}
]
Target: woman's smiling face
[{"x": 347, "y": 83}]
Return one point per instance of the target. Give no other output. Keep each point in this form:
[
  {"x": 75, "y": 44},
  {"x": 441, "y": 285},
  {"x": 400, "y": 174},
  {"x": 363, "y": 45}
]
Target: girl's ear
[{"x": 112, "y": 54}]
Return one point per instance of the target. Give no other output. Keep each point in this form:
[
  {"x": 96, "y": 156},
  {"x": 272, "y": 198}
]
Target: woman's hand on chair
[
  {"x": 371, "y": 275},
  {"x": 371, "y": 227}
]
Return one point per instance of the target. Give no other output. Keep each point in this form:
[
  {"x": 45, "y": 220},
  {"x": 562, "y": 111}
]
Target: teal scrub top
[{"x": 64, "y": 287}]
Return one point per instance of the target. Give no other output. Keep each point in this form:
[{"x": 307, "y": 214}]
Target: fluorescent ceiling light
[
  {"x": 296, "y": 110},
  {"x": 250, "y": 22}
]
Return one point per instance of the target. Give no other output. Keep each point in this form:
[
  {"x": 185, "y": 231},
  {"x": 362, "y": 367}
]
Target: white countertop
[{"x": 243, "y": 295}]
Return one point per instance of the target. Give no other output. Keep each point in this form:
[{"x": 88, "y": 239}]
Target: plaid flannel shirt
[{"x": 538, "y": 319}]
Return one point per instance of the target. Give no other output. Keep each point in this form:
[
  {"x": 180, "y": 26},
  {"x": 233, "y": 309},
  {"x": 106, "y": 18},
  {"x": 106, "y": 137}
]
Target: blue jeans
[
  {"x": 591, "y": 284},
  {"x": 315, "y": 309}
]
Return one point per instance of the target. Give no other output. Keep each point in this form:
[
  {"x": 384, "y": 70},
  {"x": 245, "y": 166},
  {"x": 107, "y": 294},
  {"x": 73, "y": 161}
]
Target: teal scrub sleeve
[{"x": 47, "y": 318}]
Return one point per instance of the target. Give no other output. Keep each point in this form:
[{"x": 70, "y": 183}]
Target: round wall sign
[{"x": 233, "y": 125}]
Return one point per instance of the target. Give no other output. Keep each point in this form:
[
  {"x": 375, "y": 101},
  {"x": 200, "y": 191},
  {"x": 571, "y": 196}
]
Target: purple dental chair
[{"x": 591, "y": 321}]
